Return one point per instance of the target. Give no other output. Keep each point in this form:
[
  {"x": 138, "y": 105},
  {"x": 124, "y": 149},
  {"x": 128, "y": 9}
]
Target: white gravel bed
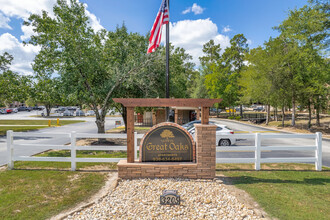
[{"x": 140, "y": 199}]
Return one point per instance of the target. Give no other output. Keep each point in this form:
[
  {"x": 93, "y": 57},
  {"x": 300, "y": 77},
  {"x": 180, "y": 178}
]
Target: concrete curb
[{"x": 258, "y": 126}]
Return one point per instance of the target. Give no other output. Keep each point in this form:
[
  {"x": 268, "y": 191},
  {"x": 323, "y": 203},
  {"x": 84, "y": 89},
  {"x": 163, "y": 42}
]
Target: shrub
[
  {"x": 238, "y": 118},
  {"x": 231, "y": 117}
]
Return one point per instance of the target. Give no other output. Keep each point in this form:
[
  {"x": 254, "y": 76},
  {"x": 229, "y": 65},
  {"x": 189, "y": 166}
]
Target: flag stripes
[{"x": 156, "y": 31}]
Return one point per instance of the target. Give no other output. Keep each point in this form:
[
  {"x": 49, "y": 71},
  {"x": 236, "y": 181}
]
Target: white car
[
  {"x": 223, "y": 135},
  {"x": 90, "y": 113}
]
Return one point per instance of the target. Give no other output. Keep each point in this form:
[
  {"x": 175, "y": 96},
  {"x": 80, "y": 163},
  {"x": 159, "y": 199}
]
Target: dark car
[
  {"x": 60, "y": 110},
  {"x": 38, "y": 108},
  {"x": 24, "y": 108},
  {"x": 259, "y": 109}
]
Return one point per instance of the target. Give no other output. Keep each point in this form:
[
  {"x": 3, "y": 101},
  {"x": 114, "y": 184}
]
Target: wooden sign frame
[{"x": 130, "y": 103}]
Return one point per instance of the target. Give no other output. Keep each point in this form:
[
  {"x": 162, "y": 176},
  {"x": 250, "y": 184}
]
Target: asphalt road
[
  {"x": 84, "y": 127},
  {"x": 242, "y": 128}
]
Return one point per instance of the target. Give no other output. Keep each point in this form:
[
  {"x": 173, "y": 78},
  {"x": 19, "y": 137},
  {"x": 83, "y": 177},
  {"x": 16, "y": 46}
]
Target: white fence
[
  {"x": 11, "y": 146},
  {"x": 258, "y": 148}
]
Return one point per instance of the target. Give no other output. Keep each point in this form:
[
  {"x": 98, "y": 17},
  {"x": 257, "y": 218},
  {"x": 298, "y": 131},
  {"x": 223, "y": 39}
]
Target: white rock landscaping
[{"x": 139, "y": 199}]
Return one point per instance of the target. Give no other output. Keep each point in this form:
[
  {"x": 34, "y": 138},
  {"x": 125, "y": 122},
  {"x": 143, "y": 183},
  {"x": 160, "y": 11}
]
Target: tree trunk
[
  {"x": 268, "y": 114},
  {"x": 283, "y": 116},
  {"x": 318, "y": 116},
  {"x": 124, "y": 115},
  {"x": 275, "y": 113},
  {"x": 309, "y": 115},
  {"x": 48, "y": 109},
  {"x": 241, "y": 111},
  {"x": 293, "y": 122},
  {"x": 100, "y": 123}
]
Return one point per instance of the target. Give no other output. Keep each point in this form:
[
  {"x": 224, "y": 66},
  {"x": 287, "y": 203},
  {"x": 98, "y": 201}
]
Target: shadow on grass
[{"x": 254, "y": 180}]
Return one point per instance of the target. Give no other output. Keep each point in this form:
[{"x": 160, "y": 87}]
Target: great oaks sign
[{"x": 167, "y": 142}]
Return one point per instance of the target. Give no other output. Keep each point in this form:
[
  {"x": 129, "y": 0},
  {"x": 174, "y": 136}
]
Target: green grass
[
  {"x": 40, "y": 194},
  {"x": 11, "y": 124},
  {"x": 282, "y": 191}
]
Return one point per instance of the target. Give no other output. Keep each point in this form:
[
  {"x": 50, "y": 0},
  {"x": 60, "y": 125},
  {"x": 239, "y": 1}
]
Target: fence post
[
  {"x": 73, "y": 151},
  {"x": 10, "y": 150},
  {"x": 257, "y": 143},
  {"x": 318, "y": 151},
  {"x": 135, "y": 145}
]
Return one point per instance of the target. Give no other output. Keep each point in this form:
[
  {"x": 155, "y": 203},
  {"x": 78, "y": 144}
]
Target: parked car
[
  {"x": 38, "y": 108},
  {"x": 67, "y": 113},
  {"x": 223, "y": 134},
  {"x": 189, "y": 124},
  {"x": 3, "y": 111},
  {"x": 24, "y": 108},
  {"x": 79, "y": 113},
  {"x": 15, "y": 110},
  {"x": 72, "y": 108},
  {"x": 90, "y": 113},
  {"x": 259, "y": 109},
  {"x": 8, "y": 110},
  {"x": 61, "y": 110}
]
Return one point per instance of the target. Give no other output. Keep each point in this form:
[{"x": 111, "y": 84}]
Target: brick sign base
[{"x": 204, "y": 168}]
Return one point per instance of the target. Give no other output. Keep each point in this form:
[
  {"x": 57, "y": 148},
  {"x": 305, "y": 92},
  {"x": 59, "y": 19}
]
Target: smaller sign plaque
[{"x": 170, "y": 197}]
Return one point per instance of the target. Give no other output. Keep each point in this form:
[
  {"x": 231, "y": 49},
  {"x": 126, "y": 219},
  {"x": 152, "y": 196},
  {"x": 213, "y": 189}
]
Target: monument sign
[{"x": 167, "y": 143}]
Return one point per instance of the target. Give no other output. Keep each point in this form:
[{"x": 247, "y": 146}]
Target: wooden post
[
  {"x": 205, "y": 115},
  {"x": 176, "y": 116},
  {"x": 130, "y": 134},
  {"x": 198, "y": 114}
]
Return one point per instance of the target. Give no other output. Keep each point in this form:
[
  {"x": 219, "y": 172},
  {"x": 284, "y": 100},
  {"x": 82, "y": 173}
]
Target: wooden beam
[
  {"x": 130, "y": 134},
  {"x": 205, "y": 115},
  {"x": 131, "y": 102}
]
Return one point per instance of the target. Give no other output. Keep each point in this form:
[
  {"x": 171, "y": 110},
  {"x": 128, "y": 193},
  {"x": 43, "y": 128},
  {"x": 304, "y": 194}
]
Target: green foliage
[
  {"x": 231, "y": 117},
  {"x": 238, "y": 118},
  {"x": 222, "y": 72}
]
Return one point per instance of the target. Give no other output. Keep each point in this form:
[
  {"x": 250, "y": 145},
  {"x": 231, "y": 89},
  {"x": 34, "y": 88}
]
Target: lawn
[
  {"x": 30, "y": 124},
  {"x": 284, "y": 191},
  {"x": 40, "y": 194}
]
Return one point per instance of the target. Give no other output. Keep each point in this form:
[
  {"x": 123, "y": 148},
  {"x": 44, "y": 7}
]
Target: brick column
[{"x": 205, "y": 136}]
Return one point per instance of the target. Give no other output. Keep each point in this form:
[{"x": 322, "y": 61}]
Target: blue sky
[{"x": 193, "y": 23}]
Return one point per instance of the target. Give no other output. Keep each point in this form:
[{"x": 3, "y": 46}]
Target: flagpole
[{"x": 168, "y": 61}]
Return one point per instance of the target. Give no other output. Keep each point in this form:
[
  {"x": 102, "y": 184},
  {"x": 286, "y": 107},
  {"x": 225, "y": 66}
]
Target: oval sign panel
[{"x": 167, "y": 143}]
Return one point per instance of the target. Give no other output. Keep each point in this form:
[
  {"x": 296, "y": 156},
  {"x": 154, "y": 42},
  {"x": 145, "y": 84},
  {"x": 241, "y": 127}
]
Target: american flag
[{"x": 156, "y": 31}]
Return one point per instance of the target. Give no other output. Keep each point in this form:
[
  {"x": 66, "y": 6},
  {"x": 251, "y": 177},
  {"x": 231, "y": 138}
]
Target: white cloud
[
  {"x": 19, "y": 9},
  {"x": 23, "y": 55},
  {"x": 94, "y": 21},
  {"x": 193, "y": 34},
  {"x": 4, "y": 22},
  {"x": 226, "y": 29},
  {"x": 196, "y": 9}
]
